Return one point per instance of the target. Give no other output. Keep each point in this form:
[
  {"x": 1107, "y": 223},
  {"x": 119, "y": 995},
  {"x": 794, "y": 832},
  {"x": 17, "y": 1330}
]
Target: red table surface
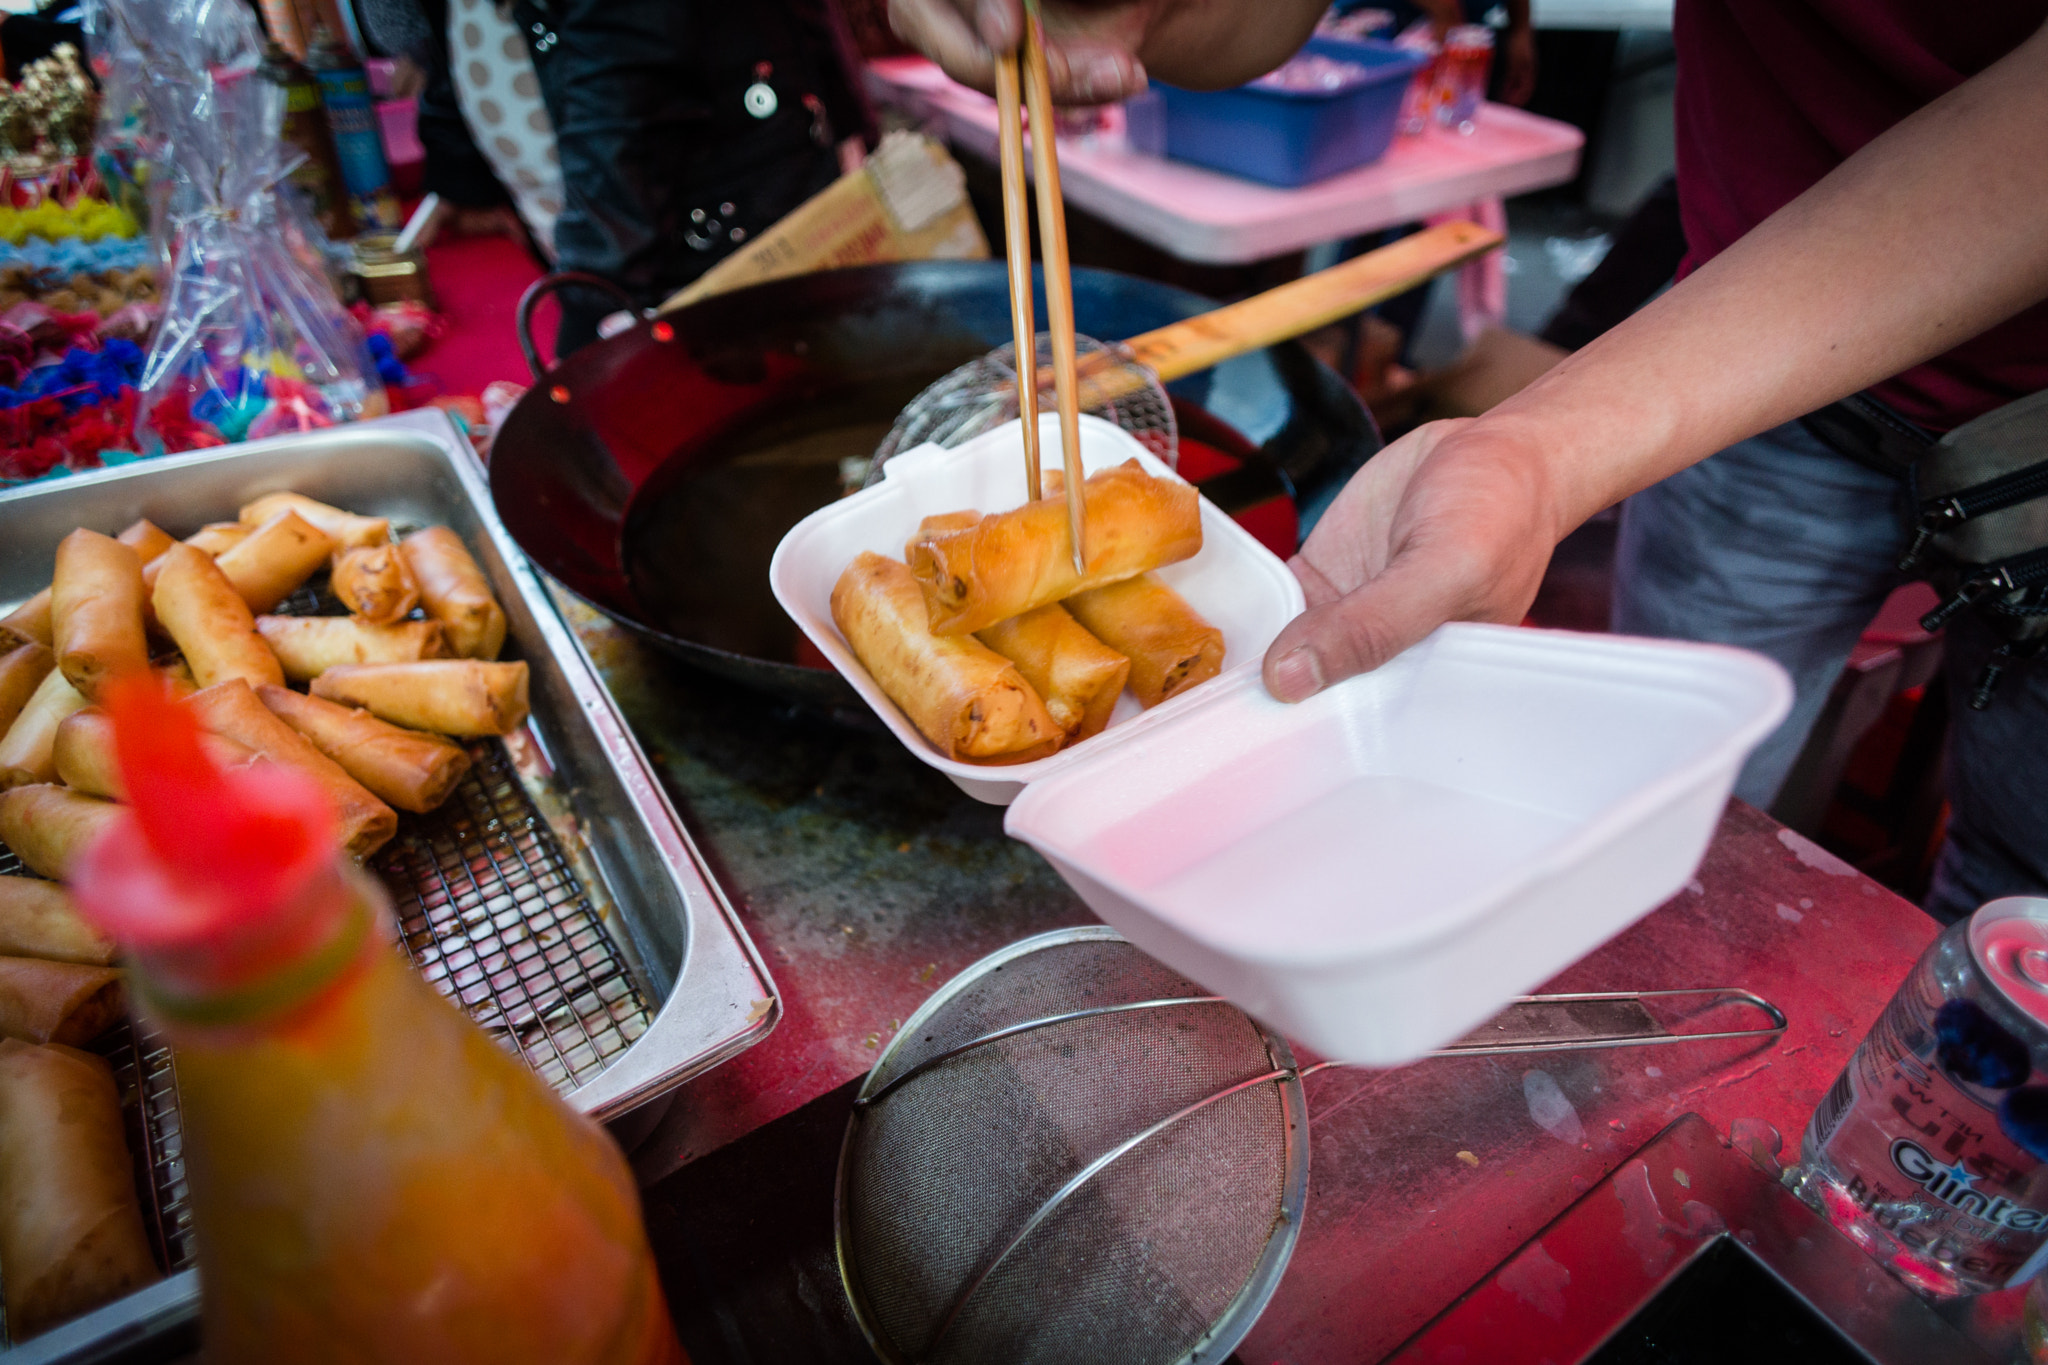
[
  {"x": 477, "y": 282},
  {"x": 1399, "y": 1223}
]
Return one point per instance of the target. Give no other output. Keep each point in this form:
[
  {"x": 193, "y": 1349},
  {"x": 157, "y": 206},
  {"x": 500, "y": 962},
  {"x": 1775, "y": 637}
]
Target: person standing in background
[
  {"x": 684, "y": 128},
  {"x": 490, "y": 150},
  {"x": 667, "y": 133}
]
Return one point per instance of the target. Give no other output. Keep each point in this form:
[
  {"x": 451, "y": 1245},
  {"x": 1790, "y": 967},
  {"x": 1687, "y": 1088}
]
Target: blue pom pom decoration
[{"x": 1973, "y": 1047}]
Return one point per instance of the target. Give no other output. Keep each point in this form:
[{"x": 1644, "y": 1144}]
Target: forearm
[{"x": 1926, "y": 237}]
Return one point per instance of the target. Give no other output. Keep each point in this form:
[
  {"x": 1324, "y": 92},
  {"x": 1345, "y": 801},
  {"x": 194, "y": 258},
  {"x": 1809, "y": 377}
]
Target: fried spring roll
[
  {"x": 1011, "y": 562},
  {"x": 37, "y": 920},
  {"x": 213, "y": 541},
  {"x": 96, "y": 611},
  {"x": 29, "y": 623},
  {"x": 83, "y": 754},
  {"x": 211, "y": 623},
  {"x": 216, "y": 538},
  {"x": 233, "y": 710},
  {"x": 47, "y": 826},
  {"x": 1079, "y": 677},
  {"x": 22, "y": 670},
  {"x": 410, "y": 770},
  {"x": 968, "y": 700},
  {"x": 27, "y": 750},
  {"x": 465, "y": 697},
  {"x": 86, "y": 761},
  {"x": 1170, "y": 646},
  {"x": 270, "y": 562},
  {"x": 147, "y": 539},
  {"x": 373, "y": 582},
  {"x": 71, "y": 1233},
  {"x": 940, "y": 523},
  {"x": 455, "y": 592},
  {"x": 308, "y": 646},
  {"x": 343, "y": 528},
  {"x": 58, "y": 1002}
]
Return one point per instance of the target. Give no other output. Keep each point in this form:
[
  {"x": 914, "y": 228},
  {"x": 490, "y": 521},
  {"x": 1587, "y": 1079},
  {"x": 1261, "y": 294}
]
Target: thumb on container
[{"x": 1357, "y": 632}]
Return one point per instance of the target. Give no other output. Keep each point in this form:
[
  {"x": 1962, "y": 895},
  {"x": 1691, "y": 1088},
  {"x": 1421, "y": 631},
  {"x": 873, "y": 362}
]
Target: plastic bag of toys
[{"x": 252, "y": 341}]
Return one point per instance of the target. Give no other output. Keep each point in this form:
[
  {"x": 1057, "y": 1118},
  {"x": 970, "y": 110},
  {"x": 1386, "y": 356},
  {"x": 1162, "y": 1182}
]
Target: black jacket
[{"x": 684, "y": 129}]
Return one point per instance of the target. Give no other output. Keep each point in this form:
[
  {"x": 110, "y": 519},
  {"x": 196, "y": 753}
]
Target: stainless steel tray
[{"x": 556, "y": 896}]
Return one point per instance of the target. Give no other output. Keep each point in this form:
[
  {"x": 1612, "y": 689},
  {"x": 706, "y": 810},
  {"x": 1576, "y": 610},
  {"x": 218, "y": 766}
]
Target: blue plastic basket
[{"x": 1294, "y": 137}]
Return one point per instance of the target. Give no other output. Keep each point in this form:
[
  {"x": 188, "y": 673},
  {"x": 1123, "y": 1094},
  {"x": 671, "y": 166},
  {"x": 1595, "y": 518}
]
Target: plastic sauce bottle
[
  {"x": 372, "y": 1178},
  {"x": 352, "y": 119}
]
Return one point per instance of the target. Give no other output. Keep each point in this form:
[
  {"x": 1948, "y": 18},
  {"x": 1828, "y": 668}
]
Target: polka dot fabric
[{"x": 500, "y": 99}]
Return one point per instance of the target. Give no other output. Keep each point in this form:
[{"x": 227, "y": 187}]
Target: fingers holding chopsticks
[{"x": 1090, "y": 52}]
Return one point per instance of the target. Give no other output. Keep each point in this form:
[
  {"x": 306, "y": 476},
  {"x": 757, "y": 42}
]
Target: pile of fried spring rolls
[
  {"x": 999, "y": 651},
  {"x": 413, "y": 663}
]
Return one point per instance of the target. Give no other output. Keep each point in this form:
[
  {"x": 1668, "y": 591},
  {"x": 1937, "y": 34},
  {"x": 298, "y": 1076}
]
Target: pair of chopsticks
[{"x": 1016, "y": 90}]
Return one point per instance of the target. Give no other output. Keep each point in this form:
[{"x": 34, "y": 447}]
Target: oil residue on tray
[{"x": 699, "y": 536}]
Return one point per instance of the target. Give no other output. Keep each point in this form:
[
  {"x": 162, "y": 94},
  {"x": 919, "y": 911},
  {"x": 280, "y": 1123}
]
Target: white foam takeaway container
[{"x": 1377, "y": 870}]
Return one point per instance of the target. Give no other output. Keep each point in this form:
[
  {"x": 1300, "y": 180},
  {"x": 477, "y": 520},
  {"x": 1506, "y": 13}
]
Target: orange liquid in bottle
[{"x": 372, "y": 1178}]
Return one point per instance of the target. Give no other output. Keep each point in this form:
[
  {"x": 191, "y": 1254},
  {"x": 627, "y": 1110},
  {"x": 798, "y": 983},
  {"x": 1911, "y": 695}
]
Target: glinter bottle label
[
  {"x": 1956, "y": 1187},
  {"x": 1927, "y": 1149}
]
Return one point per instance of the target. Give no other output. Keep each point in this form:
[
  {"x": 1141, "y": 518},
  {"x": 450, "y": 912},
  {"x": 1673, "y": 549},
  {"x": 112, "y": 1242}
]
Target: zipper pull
[
  {"x": 1987, "y": 678},
  {"x": 1936, "y": 518},
  {"x": 1973, "y": 591}
]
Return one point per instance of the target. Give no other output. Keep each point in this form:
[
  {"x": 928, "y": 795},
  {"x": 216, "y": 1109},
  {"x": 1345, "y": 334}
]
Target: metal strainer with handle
[
  {"x": 1072, "y": 1153},
  {"x": 982, "y": 395},
  {"x": 1124, "y": 381}
]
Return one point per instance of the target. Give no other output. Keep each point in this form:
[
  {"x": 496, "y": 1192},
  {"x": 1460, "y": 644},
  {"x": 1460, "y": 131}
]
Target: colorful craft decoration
[
  {"x": 253, "y": 340},
  {"x": 76, "y": 413}
]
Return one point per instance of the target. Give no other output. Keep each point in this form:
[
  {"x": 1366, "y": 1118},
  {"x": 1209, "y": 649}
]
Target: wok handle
[
  {"x": 546, "y": 285},
  {"x": 1310, "y": 302},
  {"x": 1299, "y": 306}
]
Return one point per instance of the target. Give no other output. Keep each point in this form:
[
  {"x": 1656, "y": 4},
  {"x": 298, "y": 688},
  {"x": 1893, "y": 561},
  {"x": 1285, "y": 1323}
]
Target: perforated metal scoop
[
  {"x": 982, "y": 395},
  {"x": 1071, "y": 1153}
]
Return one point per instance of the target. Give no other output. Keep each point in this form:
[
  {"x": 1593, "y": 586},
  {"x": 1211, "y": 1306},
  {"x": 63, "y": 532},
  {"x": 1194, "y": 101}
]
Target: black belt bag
[{"x": 1979, "y": 504}]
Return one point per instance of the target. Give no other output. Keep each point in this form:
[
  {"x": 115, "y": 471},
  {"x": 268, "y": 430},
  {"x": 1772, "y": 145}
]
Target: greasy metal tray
[{"x": 556, "y": 896}]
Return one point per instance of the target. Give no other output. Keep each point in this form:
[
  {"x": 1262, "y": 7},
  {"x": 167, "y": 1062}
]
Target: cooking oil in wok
[{"x": 698, "y": 536}]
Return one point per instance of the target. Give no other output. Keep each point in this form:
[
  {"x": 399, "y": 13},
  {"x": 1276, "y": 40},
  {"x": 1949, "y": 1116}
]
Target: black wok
[{"x": 653, "y": 473}]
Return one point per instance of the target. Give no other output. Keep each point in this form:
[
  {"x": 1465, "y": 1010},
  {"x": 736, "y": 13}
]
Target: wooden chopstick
[
  {"x": 1017, "y": 238},
  {"x": 1059, "y": 285}
]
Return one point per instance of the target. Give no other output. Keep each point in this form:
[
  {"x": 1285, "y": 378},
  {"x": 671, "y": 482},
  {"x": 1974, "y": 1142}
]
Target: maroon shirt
[{"x": 1774, "y": 94}]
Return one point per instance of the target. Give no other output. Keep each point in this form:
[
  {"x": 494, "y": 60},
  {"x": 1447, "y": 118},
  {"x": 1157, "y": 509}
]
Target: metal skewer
[
  {"x": 1017, "y": 238},
  {"x": 1644, "y": 1030},
  {"x": 1059, "y": 286}
]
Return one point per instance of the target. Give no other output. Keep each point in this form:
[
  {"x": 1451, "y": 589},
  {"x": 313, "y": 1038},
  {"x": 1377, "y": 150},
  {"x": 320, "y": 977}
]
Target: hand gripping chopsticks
[{"x": 1059, "y": 289}]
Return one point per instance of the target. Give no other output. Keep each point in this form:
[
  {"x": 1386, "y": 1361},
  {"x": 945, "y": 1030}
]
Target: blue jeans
[{"x": 1779, "y": 545}]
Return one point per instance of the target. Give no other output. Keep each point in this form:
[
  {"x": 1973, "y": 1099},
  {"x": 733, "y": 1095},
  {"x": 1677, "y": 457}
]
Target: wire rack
[{"x": 491, "y": 913}]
